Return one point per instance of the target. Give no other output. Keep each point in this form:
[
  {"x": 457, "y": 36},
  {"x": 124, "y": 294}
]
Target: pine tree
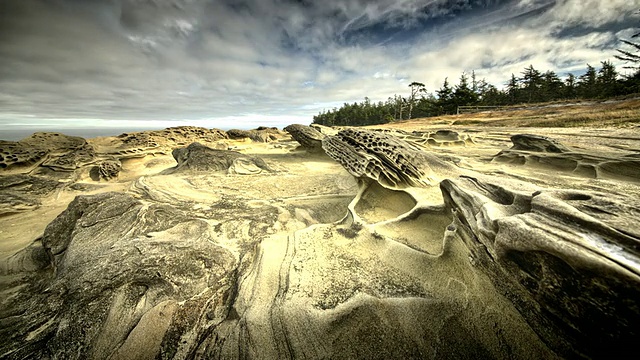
[
  {"x": 445, "y": 95},
  {"x": 532, "y": 82},
  {"x": 607, "y": 79},
  {"x": 587, "y": 83}
]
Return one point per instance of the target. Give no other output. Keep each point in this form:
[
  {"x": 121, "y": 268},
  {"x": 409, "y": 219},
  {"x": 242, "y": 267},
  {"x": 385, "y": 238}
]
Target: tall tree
[
  {"x": 587, "y": 83},
  {"x": 607, "y": 79},
  {"x": 631, "y": 55},
  {"x": 552, "y": 86},
  {"x": 445, "y": 95},
  {"x": 463, "y": 95},
  {"x": 570, "y": 87},
  {"x": 416, "y": 88},
  {"x": 532, "y": 82},
  {"x": 513, "y": 90}
]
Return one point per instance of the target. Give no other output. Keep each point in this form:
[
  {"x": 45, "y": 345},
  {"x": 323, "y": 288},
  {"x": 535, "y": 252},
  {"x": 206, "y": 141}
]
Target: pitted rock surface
[
  {"x": 140, "y": 144},
  {"x": 56, "y": 151},
  {"x": 308, "y": 137},
  {"x": 107, "y": 170},
  {"x": 385, "y": 158}
]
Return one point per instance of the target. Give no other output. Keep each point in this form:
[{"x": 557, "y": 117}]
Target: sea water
[{"x": 15, "y": 134}]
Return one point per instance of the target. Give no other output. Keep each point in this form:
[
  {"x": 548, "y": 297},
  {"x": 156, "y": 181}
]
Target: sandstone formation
[
  {"x": 261, "y": 134},
  {"x": 567, "y": 259},
  {"x": 309, "y": 138},
  {"x": 541, "y": 151},
  {"x": 385, "y": 158},
  {"x": 197, "y": 157},
  {"x": 140, "y": 144},
  {"x": 107, "y": 170},
  {"x": 406, "y": 244},
  {"x": 49, "y": 153}
]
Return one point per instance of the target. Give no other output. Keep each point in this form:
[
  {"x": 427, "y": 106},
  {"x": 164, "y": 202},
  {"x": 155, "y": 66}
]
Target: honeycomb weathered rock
[{"x": 385, "y": 158}]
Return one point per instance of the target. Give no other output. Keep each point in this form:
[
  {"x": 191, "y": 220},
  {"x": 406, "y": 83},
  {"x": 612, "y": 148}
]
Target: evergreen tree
[
  {"x": 445, "y": 97},
  {"x": 531, "y": 83},
  {"x": 513, "y": 90},
  {"x": 570, "y": 87},
  {"x": 552, "y": 87},
  {"x": 463, "y": 95},
  {"x": 587, "y": 83},
  {"x": 607, "y": 80}
]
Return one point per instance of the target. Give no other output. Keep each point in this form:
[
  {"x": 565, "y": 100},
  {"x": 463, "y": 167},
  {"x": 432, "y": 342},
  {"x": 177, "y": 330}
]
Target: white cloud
[{"x": 194, "y": 60}]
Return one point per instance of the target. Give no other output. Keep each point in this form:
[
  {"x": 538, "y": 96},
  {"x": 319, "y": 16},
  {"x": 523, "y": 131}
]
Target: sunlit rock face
[
  {"x": 51, "y": 154},
  {"x": 309, "y": 138},
  {"x": 543, "y": 152},
  {"x": 568, "y": 260},
  {"x": 387, "y": 159}
]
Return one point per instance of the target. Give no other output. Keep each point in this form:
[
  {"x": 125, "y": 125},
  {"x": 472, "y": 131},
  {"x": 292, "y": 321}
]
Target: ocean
[{"x": 16, "y": 134}]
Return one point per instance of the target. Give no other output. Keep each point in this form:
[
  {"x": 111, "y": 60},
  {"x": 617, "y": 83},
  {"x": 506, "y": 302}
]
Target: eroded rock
[
  {"x": 48, "y": 151},
  {"x": 107, "y": 170},
  {"x": 386, "y": 159},
  {"x": 117, "y": 269},
  {"x": 528, "y": 142},
  {"x": 568, "y": 260},
  {"x": 23, "y": 192},
  {"x": 261, "y": 134},
  {"x": 309, "y": 138},
  {"x": 197, "y": 157},
  {"x": 541, "y": 151}
]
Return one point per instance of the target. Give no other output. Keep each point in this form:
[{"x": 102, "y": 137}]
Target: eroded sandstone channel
[{"x": 191, "y": 243}]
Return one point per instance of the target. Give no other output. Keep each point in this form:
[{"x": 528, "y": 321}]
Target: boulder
[
  {"x": 197, "y": 157},
  {"x": 309, "y": 138},
  {"x": 106, "y": 169},
  {"x": 537, "y": 143}
]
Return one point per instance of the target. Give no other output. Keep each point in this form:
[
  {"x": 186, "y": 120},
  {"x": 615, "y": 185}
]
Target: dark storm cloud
[{"x": 190, "y": 59}]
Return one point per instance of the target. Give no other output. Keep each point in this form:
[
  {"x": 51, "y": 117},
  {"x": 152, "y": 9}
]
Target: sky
[{"x": 243, "y": 64}]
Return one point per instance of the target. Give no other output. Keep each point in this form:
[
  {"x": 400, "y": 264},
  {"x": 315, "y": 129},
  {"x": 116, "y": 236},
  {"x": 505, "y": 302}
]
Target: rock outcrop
[
  {"x": 21, "y": 192},
  {"x": 47, "y": 152},
  {"x": 391, "y": 251},
  {"x": 261, "y": 134},
  {"x": 541, "y": 151},
  {"x": 197, "y": 157},
  {"x": 107, "y": 170},
  {"x": 387, "y": 159},
  {"x": 140, "y": 144},
  {"x": 116, "y": 272},
  {"x": 309, "y": 138},
  {"x": 569, "y": 260}
]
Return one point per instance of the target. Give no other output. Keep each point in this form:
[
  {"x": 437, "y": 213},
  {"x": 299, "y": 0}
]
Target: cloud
[{"x": 191, "y": 60}]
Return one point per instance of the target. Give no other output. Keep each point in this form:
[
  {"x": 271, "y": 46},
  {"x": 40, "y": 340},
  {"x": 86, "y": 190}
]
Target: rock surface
[
  {"x": 567, "y": 259},
  {"x": 385, "y": 158},
  {"x": 308, "y": 137},
  {"x": 413, "y": 244},
  {"x": 46, "y": 153},
  {"x": 197, "y": 157},
  {"x": 540, "y": 151}
]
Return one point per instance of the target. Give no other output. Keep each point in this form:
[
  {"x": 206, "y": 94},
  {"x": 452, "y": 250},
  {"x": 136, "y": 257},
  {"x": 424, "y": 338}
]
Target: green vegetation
[{"x": 532, "y": 86}]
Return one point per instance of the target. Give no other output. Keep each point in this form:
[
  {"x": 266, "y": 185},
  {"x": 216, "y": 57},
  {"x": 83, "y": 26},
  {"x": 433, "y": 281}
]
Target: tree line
[{"x": 531, "y": 86}]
